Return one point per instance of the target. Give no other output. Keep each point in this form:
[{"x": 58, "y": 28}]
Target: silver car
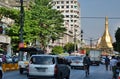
[
  {"x": 76, "y": 62},
  {"x": 48, "y": 66}
]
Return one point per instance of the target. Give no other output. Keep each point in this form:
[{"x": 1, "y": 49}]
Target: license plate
[{"x": 41, "y": 70}]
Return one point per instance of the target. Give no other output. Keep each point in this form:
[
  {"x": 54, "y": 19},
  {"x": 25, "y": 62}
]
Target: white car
[
  {"x": 48, "y": 66},
  {"x": 76, "y": 62}
]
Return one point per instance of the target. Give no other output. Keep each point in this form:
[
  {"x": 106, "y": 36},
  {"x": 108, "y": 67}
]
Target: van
[{"x": 48, "y": 66}]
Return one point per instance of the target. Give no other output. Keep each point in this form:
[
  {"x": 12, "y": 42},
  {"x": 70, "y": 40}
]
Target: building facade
[{"x": 71, "y": 11}]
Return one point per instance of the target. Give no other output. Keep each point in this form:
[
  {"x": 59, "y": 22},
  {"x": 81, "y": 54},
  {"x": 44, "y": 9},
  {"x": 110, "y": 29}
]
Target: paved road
[{"x": 96, "y": 72}]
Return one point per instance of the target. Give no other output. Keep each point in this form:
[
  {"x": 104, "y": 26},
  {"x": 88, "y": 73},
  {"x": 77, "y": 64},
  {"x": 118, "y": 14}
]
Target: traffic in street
[{"x": 96, "y": 72}]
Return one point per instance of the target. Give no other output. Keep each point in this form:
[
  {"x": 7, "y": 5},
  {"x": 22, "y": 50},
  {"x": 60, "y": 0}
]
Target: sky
[{"x": 94, "y": 28}]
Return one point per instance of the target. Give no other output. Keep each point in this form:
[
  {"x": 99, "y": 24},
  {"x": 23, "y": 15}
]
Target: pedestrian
[
  {"x": 107, "y": 62},
  {"x": 113, "y": 63},
  {"x": 87, "y": 62},
  {"x": 3, "y": 58}
]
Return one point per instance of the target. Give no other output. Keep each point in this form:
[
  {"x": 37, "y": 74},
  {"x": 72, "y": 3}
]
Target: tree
[
  {"x": 50, "y": 21},
  {"x": 57, "y": 50},
  {"x": 116, "y": 45},
  {"x": 42, "y": 23},
  {"x": 12, "y": 30},
  {"x": 69, "y": 47}
]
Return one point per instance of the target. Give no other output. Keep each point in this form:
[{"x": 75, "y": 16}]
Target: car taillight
[
  {"x": 56, "y": 69},
  {"x": 119, "y": 76}
]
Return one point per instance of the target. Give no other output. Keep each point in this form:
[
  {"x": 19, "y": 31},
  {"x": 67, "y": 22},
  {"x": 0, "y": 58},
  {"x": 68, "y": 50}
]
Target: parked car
[
  {"x": 102, "y": 60},
  {"x": 75, "y": 61},
  {"x": 48, "y": 66}
]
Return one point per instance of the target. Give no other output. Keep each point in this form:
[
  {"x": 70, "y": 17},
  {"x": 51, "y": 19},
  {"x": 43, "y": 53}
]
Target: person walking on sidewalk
[
  {"x": 113, "y": 63},
  {"x": 107, "y": 62}
]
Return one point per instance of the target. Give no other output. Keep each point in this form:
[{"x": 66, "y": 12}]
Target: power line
[{"x": 100, "y": 17}]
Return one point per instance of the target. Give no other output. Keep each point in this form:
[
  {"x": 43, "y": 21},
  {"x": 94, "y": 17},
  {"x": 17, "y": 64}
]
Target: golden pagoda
[{"x": 105, "y": 42}]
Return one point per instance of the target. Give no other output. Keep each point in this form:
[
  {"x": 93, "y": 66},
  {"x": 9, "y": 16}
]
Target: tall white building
[{"x": 71, "y": 11}]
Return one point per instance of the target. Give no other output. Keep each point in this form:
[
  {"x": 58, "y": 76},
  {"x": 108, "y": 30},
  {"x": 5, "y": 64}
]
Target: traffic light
[{"x": 81, "y": 35}]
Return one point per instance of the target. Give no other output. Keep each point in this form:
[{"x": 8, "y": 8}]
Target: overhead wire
[{"x": 100, "y": 17}]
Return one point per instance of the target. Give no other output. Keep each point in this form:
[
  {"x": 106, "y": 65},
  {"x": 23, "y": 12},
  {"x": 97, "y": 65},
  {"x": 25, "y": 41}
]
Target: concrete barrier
[{"x": 9, "y": 66}]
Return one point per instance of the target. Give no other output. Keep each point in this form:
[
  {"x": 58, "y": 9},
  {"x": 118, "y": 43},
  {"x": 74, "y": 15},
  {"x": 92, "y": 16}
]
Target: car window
[
  {"x": 76, "y": 58},
  {"x": 44, "y": 60}
]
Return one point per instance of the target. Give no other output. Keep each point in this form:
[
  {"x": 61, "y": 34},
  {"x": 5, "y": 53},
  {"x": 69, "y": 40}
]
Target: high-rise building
[
  {"x": 71, "y": 11},
  {"x": 14, "y": 3}
]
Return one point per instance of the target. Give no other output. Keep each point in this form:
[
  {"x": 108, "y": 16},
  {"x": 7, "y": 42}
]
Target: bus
[{"x": 24, "y": 55}]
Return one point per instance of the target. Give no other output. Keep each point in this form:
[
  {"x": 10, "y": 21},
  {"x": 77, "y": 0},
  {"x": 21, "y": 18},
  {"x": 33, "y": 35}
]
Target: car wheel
[
  {"x": 72, "y": 67},
  {"x": 1, "y": 74}
]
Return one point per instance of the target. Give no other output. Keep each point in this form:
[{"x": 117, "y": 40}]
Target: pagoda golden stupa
[{"x": 105, "y": 42}]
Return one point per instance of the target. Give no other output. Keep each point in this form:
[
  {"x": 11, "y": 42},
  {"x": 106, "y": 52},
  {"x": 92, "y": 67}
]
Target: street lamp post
[{"x": 21, "y": 44}]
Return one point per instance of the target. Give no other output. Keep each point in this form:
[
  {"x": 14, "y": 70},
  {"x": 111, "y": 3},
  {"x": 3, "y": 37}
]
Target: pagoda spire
[{"x": 106, "y": 40}]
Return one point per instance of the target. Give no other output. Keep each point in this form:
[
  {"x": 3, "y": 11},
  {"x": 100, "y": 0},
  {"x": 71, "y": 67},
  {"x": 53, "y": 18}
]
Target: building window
[
  {"x": 58, "y": 2},
  {"x": 67, "y": 6},
  {"x": 71, "y": 20},
  {"x": 71, "y": 1},
  {"x": 58, "y": 7},
  {"x": 67, "y": 20},
  {"x": 67, "y": 11},
  {"x": 75, "y": 20},
  {"x": 71, "y": 6},
  {"x": 62, "y": 6},
  {"x": 67, "y": 16},
  {"x": 62, "y": 2},
  {"x": 67, "y": 2},
  {"x": 71, "y": 16},
  {"x": 71, "y": 11}
]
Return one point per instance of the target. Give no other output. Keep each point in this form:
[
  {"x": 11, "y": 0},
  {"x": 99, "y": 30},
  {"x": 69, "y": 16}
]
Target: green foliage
[
  {"x": 57, "y": 50},
  {"x": 49, "y": 21},
  {"x": 41, "y": 22},
  {"x": 69, "y": 47},
  {"x": 11, "y": 13},
  {"x": 117, "y": 35},
  {"x": 116, "y": 45}
]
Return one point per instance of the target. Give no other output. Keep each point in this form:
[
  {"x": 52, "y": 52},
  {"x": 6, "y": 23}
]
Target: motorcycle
[{"x": 117, "y": 72}]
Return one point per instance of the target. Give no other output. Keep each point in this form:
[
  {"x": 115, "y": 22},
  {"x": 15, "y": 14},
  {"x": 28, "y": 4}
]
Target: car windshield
[
  {"x": 76, "y": 58},
  {"x": 44, "y": 60}
]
